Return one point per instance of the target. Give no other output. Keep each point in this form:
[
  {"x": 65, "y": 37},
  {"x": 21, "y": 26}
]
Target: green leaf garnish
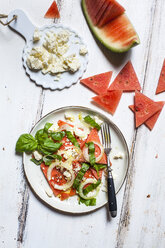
[
  {"x": 88, "y": 119},
  {"x": 40, "y": 136},
  {"x": 91, "y": 187},
  {"x": 58, "y": 135},
  {"x": 47, "y": 126},
  {"x": 71, "y": 137},
  {"x": 91, "y": 152},
  {"x": 37, "y": 162},
  {"x": 48, "y": 147},
  {"x": 48, "y": 159},
  {"x": 90, "y": 202},
  {"x": 80, "y": 175},
  {"x": 98, "y": 167},
  {"x": 26, "y": 143}
]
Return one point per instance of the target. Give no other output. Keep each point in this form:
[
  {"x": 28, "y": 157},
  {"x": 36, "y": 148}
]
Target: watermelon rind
[{"x": 113, "y": 46}]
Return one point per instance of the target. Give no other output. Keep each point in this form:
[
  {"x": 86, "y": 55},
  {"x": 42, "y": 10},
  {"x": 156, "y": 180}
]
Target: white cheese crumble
[
  {"x": 98, "y": 120},
  {"x": 83, "y": 50},
  {"x": 119, "y": 155},
  {"x": 49, "y": 57},
  {"x": 81, "y": 132},
  {"x": 54, "y": 128},
  {"x": 69, "y": 116},
  {"x": 37, "y": 155},
  {"x": 37, "y": 35}
]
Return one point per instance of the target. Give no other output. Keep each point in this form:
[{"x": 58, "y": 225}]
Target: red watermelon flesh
[
  {"x": 161, "y": 83},
  {"x": 101, "y": 11},
  {"x": 93, "y": 7},
  {"x": 144, "y": 108},
  {"x": 111, "y": 12},
  {"x": 98, "y": 83},
  {"x": 126, "y": 80},
  {"x": 109, "y": 100},
  {"x": 150, "y": 123},
  {"x": 52, "y": 11}
]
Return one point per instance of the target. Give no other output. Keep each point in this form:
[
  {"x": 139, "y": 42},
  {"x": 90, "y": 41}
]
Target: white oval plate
[
  {"x": 49, "y": 81},
  {"x": 39, "y": 184}
]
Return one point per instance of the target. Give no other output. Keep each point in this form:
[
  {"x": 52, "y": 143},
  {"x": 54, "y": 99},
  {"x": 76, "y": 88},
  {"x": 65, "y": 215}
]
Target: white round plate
[
  {"x": 39, "y": 184},
  {"x": 49, "y": 81}
]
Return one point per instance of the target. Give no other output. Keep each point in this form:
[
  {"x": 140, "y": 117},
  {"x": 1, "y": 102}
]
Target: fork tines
[{"x": 106, "y": 135}]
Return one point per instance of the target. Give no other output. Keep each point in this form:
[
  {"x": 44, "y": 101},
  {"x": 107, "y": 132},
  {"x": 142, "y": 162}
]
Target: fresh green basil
[
  {"x": 98, "y": 167},
  {"x": 88, "y": 119},
  {"x": 48, "y": 159},
  {"x": 47, "y": 126},
  {"x": 90, "y": 202},
  {"x": 26, "y": 143},
  {"x": 91, "y": 152},
  {"x": 71, "y": 137},
  {"x": 58, "y": 135},
  {"x": 40, "y": 136},
  {"x": 80, "y": 175},
  {"x": 48, "y": 147},
  {"x": 91, "y": 187},
  {"x": 37, "y": 162}
]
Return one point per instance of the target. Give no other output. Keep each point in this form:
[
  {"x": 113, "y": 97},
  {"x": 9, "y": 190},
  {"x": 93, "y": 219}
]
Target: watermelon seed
[
  {"x": 127, "y": 82},
  {"x": 91, "y": 79}
]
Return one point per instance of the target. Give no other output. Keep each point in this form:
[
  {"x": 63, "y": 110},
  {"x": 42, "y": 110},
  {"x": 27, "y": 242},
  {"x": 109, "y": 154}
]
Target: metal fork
[{"x": 106, "y": 141}]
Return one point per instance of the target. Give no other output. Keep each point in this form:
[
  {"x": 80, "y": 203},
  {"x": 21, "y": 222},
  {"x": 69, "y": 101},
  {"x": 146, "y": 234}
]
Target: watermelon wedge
[
  {"x": 93, "y": 7},
  {"x": 117, "y": 35},
  {"x": 109, "y": 101},
  {"x": 98, "y": 83},
  {"x": 150, "y": 123},
  {"x": 144, "y": 108},
  {"x": 126, "y": 80},
  {"x": 161, "y": 83},
  {"x": 113, "y": 10},
  {"x": 52, "y": 11},
  {"x": 101, "y": 11}
]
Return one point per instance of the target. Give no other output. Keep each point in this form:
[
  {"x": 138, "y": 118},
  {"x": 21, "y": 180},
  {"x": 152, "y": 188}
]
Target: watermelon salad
[{"x": 70, "y": 156}]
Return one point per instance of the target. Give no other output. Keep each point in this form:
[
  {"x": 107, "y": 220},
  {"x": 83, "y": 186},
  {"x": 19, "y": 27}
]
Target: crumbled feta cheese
[
  {"x": 72, "y": 62},
  {"x": 98, "y": 120},
  {"x": 54, "y": 128},
  {"x": 119, "y": 155},
  {"x": 37, "y": 155},
  {"x": 67, "y": 174},
  {"x": 36, "y": 35},
  {"x": 34, "y": 63},
  {"x": 70, "y": 153},
  {"x": 69, "y": 116},
  {"x": 83, "y": 50}
]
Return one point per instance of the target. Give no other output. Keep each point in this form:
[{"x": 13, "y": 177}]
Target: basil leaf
[
  {"x": 90, "y": 202},
  {"x": 58, "y": 135},
  {"x": 48, "y": 159},
  {"x": 71, "y": 137},
  {"x": 98, "y": 167},
  {"x": 91, "y": 187},
  {"x": 26, "y": 143},
  {"x": 80, "y": 175},
  {"x": 48, "y": 147},
  {"x": 37, "y": 162},
  {"x": 40, "y": 136},
  {"x": 91, "y": 152},
  {"x": 47, "y": 126},
  {"x": 88, "y": 119}
]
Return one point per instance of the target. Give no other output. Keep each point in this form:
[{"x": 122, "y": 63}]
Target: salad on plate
[{"x": 70, "y": 156}]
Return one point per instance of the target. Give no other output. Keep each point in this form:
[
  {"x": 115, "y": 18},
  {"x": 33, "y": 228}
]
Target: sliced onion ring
[
  {"x": 65, "y": 186},
  {"x": 95, "y": 191},
  {"x": 86, "y": 155},
  {"x": 66, "y": 127}
]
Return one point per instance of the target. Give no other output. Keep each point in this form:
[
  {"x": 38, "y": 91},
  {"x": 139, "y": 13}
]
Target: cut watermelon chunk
[
  {"x": 150, "y": 123},
  {"x": 109, "y": 100},
  {"x": 161, "y": 83},
  {"x": 52, "y": 11},
  {"x": 101, "y": 11},
  {"x": 98, "y": 83},
  {"x": 93, "y": 7},
  {"x": 113, "y": 10},
  {"x": 117, "y": 35},
  {"x": 144, "y": 108},
  {"x": 126, "y": 80},
  {"x": 93, "y": 136}
]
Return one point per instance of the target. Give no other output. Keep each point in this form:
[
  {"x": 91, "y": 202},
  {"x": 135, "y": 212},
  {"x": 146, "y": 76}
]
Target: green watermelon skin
[{"x": 107, "y": 39}]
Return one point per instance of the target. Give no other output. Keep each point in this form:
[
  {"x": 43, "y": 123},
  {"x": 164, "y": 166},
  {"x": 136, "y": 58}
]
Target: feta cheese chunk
[
  {"x": 98, "y": 120},
  {"x": 83, "y": 50},
  {"x": 38, "y": 156},
  {"x": 72, "y": 62},
  {"x": 119, "y": 155},
  {"x": 69, "y": 116},
  {"x": 36, "y": 35}
]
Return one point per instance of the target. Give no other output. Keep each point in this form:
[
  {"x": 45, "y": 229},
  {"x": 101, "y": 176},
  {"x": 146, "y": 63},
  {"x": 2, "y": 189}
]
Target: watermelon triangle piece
[
  {"x": 98, "y": 83},
  {"x": 144, "y": 108},
  {"x": 150, "y": 123},
  {"x": 113, "y": 10},
  {"x": 52, "y": 11},
  {"x": 161, "y": 83},
  {"x": 126, "y": 80},
  {"x": 109, "y": 100}
]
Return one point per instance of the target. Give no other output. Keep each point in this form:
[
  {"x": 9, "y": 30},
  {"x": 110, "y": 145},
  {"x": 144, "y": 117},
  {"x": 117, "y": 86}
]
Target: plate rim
[{"x": 116, "y": 129}]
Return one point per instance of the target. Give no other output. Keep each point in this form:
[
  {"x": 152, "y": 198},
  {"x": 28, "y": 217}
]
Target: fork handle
[{"x": 111, "y": 196}]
